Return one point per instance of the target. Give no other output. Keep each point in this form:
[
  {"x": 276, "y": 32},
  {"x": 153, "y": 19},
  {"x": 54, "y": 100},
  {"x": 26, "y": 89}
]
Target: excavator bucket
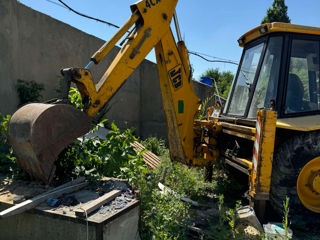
[{"x": 39, "y": 132}]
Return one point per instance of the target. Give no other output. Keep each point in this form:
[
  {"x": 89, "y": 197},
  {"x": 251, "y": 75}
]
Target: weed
[
  {"x": 222, "y": 210},
  {"x": 75, "y": 98},
  {"x": 163, "y": 216},
  {"x": 204, "y": 106},
  {"x": 8, "y": 165},
  {"x": 219, "y": 231},
  {"x": 226, "y": 226},
  {"x": 169, "y": 217},
  {"x": 29, "y": 91},
  {"x": 285, "y": 222},
  {"x": 155, "y": 145},
  {"x": 4, "y": 121},
  {"x": 232, "y": 217},
  {"x": 97, "y": 157},
  {"x": 182, "y": 179}
]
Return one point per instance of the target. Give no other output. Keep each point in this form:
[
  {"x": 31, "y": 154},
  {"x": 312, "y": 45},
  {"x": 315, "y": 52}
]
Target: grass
[
  {"x": 285, "y": 221},
  {"x": 155, "y": 145}
]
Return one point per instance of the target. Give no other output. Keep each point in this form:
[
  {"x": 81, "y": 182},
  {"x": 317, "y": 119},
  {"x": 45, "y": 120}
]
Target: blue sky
[{"x": 207, "y": 26}]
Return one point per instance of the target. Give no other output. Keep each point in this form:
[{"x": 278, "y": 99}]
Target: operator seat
[{"x": 295, "y": 92}]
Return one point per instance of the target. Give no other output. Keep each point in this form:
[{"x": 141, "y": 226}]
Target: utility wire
[
  {"x": 55, "y": 3},
  {"x": 86, "y": 16},
  {"x": 198, "y": 54},
  {"x": 207, "y": 55},
  {"x": 209, "y": 60}
]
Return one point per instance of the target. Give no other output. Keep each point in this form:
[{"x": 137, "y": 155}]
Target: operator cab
[{"x": 279, "y": 69}]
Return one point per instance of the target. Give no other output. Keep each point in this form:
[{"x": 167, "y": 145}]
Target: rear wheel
[{"x": 296, "y": 174}]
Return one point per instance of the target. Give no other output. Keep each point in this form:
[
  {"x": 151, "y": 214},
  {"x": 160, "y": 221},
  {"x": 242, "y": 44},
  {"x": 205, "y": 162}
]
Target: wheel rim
[{"x": 308, "y": 185}]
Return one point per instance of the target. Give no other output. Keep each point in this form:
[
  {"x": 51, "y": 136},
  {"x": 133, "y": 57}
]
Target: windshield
[
  {"x": 245, "y": 80},
  {"x": 266, "y": 89}
]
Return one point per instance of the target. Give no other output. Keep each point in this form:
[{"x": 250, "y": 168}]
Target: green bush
[
  {"x": 8, "y": 165},
  {"x": 162, "y": 216},
  {"x": 182, "y": 179},
  {"x": 4, "y": 121},
  {"x": 75, "y": 98},
  {"x": 155, "y": 145},
  {"x": 29, "y": 91},
  {"x": 168, "y": 218},
  {"x": 97, "y": 157},
  {"x": 204, "y": 106}
]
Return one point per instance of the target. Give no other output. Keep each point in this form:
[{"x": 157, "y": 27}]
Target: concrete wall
[
  {"x": 152, "y": 116},
  {"x": 34, "y": 46},
  {"x": 39, "y": 225}
]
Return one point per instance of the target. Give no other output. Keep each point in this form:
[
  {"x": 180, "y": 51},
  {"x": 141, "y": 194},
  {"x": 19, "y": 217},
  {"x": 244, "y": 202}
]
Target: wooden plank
[
  {"x": 31, "y": 203},
  {"x": 89, "y": 207},
  {"x": 149, "y": 157}
]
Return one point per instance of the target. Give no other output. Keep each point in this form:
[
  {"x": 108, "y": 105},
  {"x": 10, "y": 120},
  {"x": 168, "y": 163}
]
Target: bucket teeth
[{"x": 39, "y": 132}]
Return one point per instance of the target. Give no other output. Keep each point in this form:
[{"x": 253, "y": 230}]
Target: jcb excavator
[{"x": 269, "y": 128}]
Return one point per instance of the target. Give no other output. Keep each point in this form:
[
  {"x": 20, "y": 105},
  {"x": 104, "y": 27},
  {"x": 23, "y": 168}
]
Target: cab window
[{"x": 302, "y": 92}]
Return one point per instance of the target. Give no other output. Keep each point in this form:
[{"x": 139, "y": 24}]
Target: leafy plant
[
  {"x": 226, "y": 227},
  {"x": 204, "y": 106},
  {"x": 4, "y": 121},
  {"x": 232, "y": 217},
  {"x": 220, "y": 230},
  {"x": 29, "y": 91},
  {"x": 186, "y": 181},
  {"x": 96, "y": 157},
  {"x": 285, "y": 222},
  {"x": 155, "y": 145},
  {"x": 169, "y": 217},
  {"x": 75, "y": 98},
  {"x": 8, "y": 165},
  {"x": 163, "y": 216}
]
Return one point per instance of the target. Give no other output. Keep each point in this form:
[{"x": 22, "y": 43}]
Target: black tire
[{"x": 289, "y": 159}]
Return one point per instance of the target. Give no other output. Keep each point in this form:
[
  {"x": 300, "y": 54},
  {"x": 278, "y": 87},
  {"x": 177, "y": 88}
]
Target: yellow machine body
[{"x": 269, "y": 135}]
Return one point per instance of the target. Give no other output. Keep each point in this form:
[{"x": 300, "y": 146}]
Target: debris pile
[{"x": 118, "y": 203}]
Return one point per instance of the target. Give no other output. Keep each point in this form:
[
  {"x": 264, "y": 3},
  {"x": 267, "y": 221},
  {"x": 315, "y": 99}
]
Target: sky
[{"x": 211, "y": 27}]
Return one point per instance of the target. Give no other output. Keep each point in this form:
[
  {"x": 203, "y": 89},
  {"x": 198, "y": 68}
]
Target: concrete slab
[{"x": 45, "y": 222}]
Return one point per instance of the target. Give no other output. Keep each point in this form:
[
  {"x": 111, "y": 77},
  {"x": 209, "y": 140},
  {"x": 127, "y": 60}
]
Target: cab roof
[{"x": 268, "y": 28}]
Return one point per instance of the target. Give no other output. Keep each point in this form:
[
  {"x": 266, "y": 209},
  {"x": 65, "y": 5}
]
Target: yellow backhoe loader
[{"x": 269, "y": 128}]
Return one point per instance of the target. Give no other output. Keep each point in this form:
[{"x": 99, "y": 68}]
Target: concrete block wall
[
  {"x": 34, "y": 46},
  {"x": 152, "y": 116}
]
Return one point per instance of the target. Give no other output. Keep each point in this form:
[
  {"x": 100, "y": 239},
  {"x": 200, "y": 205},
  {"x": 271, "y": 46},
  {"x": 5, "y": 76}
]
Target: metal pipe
[
  {"x": 217, "y": 90},
  {"x": 89, "y": 65},
  {"x": 176, "y": 23}
]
